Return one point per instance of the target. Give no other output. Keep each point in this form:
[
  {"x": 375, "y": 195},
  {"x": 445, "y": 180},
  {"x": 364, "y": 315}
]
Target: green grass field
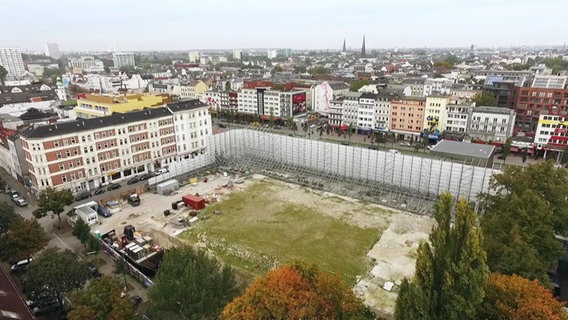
[{"x": 257, "y": 230}]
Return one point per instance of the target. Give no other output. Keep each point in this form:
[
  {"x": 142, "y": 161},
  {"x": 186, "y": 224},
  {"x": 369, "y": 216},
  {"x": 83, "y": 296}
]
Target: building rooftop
[
  {"x": 90, "y": 124},
  {"x": 496, "y": 110},
  {"x": 338, "y": 85},
  {"x": 464, "y": 149},
  {"x": 186, "y": 105},
  {"x": 12, "y": 302}
]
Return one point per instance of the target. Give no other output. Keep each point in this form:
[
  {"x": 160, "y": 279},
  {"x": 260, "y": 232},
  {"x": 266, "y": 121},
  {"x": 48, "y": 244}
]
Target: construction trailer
[
  {"x": 88, "y": 212},
  {"x": 196, "y": 202},
  {"x": 165, "y": 188}
]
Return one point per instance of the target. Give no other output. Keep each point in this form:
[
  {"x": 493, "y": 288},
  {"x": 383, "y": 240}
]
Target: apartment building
[
  {"x": 382, "y": 111},
  {"x": 123, "y": 59},
  {"x": 457, "y": 117},
  {"x": 366, "y": 113},
  {"x": 52, "y": 50},
  {"x": 491, "y": 123},
  {"x": 324, "y": 92},
  {"x": 218, "y": 101},
  {"x": 531, "y": 101},
  {"x": 11, "y": 60},
  {"x": 85, "y": 154},
  {"x": 191, "y": 90},
  {"x": 97, "y": 105},
  {"x": 351, "y": 108},
  {"x": 435, "y": 113},
  {"x": 552, "y": 131},
  {"x": 335, "y": 114},
  {"x": 407, "y": 116},
  {"x": 266, "y": 102},
  {"x": 87, "y": 64}
]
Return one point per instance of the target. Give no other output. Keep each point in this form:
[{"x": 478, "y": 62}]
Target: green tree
[
  {"x": 228, "y": 85},
  {"x": 300, "y": 69},
  {"x": 358, "y": 84},
  {"x": 564, "y": 159},
  {"x": 93, "y": 243},
  {"x": 54, "y": 274},
  {"x": 318, "y": 71},
  {"x": 450, "y": 269},
  {"x": 485, "y": 98},
  {"x": 53, "y": 201},
  {"x": 190, "y": 284},
  {"x": 524, "y": 210},
  {"x": 277, "y": 68},
  {"x": 101, "y": 300},
  {"x": 82, "y": 231},
  {"x": 7, "y": 216},
  {"x": 24, "y": 238},
  {"x": 506, "y": 148},
  {"x": 121, "y": 268},
  {"x": 292, "y": 124}
]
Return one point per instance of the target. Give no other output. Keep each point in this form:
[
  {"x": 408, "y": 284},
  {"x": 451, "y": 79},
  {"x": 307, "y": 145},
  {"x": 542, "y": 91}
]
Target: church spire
[
  {"x": 344, "y": 47},
  {"x": 363, "y": 53}
]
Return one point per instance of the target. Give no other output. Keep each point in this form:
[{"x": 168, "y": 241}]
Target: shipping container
[
  {"x": 195, "y": 202},
  {"x": 165, "y": 188}
]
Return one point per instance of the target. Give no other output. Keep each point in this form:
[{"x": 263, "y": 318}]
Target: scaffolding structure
[{"x": 396, "y": 180}]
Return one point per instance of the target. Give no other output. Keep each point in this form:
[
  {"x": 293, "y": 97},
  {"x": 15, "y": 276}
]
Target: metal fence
[{"x": 397, "y": 180}]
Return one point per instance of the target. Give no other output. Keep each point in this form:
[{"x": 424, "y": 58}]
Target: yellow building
[
  {"x": 190, "y": 91},
  {"x": 435, "y": 113},
  {"x": 97, "y": 105}
]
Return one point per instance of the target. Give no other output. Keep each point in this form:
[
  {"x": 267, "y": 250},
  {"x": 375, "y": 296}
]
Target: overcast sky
[{"x": 81, "y": 25}]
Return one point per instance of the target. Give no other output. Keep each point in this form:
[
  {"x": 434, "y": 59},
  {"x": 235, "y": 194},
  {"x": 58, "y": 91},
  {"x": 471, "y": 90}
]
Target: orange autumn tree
[
  {"x": 516, "y": 298},
  {"x": 296, "y": 291}
]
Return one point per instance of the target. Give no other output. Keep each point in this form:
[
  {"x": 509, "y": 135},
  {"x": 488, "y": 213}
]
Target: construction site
[{"x": 257, "y": 199}]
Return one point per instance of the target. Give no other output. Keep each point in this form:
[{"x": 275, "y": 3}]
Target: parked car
[
  {"x": 146, "y": 176},
  {"x": 93, "y": 270},
  {"x": 133, "y": 180},
  {"x": 82, "y": 196},
  {"x": 134, "y": 200},
  {"x": 373, "y": 147},
  {"x": 20, "y": 202},
  {"x": 345, "y": 143},
  {"x": 22, "y": 265},
  {"x": 7, "y": 189},
  {"x": 160, "y": 171},
  {"x": 104, "y": 211},
  {"x": 405, "y": 144},
  {"x": 394, "y": 151},
  {"x": 222, "y": 125},
  {"x": 113, "y": 186},
  {"x": 100, "y": 190},
  {"x": 430, "y": 147},
  {"x": 15, "y": 195}
]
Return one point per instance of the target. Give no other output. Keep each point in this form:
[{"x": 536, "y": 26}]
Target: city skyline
[{"x": 221, "y": 24}]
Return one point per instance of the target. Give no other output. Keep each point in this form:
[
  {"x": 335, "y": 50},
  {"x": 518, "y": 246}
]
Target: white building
[
  {"x": 52, "y": 50},
  {"x": 382, "y": 112},
  {"x": 325, "y": 92},
  {"x": 11, "y": 60},
  {"x": 366, "y": 112},
  {"x": 85, "y": 154},
  {"x": 123, "y": 59},
  {"x": 266, "y": 102},
  {"x": 550, "y": 132},
  {"x": 238, "y": 55},
  {"x": 271, "y": 54},
  {"x": 491, "y": 123},
  {"x": 193, "y": 56},
  {"x": 457, "y": 117},
  {"x": 87, "y": 63},
  {"x": 192, "y": 123},
  {"x": 351, "y": 108},
  {"x": 438, "y": 86}
]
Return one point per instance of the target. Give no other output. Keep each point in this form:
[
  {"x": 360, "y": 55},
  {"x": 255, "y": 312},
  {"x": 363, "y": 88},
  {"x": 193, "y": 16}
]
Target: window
[
  {"x": 56, "y": 143},
  {"x": 68, "y": 153},
  {"x": 58, "y": 155},
  {"x": 64, "y": 178},
  {"x": 61, "y": 166}
]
